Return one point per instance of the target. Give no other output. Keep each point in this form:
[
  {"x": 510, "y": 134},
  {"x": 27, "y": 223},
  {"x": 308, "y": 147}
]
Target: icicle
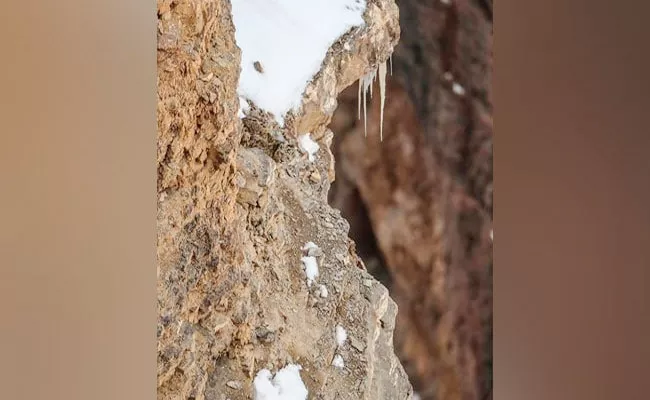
[
  {"x": 382, "y": 93},
  {"x": 390, "y": 59},
  {"x": 359, "y": 97},
  {"x": 366, "y": 83},
  {"x": 365, "y": 86},
  {"x": 365, "y": 128},
  {"x": 371, "y": 80}
]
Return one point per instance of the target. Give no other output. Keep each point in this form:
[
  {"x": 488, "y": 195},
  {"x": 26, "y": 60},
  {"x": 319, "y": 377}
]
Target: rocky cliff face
[
  {"x": 420, "y": 202},
  {"x": 238, "y": 201}
]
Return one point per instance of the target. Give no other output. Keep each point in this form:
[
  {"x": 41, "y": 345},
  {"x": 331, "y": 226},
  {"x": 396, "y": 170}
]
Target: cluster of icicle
[{"x": 365, "y": 86}]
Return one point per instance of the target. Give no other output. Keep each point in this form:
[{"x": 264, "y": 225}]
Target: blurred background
[{"x": 420, "y": 202}]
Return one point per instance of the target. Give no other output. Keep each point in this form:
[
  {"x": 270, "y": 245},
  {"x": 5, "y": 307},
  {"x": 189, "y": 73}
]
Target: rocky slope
[
  {"x": 237, "y": 202},
  {"x": 420, "y": 202}
]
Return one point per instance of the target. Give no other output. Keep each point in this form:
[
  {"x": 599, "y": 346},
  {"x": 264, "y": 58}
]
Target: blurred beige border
[{"x": 78, "y": 189}]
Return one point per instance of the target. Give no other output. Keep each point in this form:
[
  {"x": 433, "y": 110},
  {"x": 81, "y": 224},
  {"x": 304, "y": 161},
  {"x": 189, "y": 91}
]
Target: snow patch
[
  {"x": 243, "y": 107},
  {"x": 285, "y": 385},
  {"x": 382, "y": 93},
  {"x": 458, "y": 89},
  {"x": 308, "y": 145},
  {"x": 310, "y": 264},
  {"x": 341, "y": 335},
  {"x": 338, "y": 361},
  {"x": 311, "y": 268},
  {"x": 282, "y": 48},
  {"x": 311, "y": 249},
  {"x": 323, "y": 291},
  {"x": 309, "y": 246}
]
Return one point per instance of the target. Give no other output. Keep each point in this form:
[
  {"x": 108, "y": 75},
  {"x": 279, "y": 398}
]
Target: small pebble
[
  {"x": 357, "y": 344},
  {"x": 315, "y": 177},
  {"x": 338, "y": 361},
  {"x": 258, "y": 67},
  {"x": 323, "y": 291},
  {"x": 234, "y": 385}
]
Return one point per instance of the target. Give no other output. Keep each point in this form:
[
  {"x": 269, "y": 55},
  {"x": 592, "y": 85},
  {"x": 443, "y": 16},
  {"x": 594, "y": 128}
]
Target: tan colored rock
[{"x": 234, "y": 212}]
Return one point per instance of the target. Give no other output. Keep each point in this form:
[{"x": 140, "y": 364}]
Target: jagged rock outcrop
[
  {"x": 427, "y": 193},
  {"x": 236, "y": 205}
]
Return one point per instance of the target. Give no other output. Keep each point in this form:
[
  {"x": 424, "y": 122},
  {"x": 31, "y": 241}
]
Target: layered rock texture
[
  {"x": 238, "y": 200},
  {"x": 420, "y": 202}
]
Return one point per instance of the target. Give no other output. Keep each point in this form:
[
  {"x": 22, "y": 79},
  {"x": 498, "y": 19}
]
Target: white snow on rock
[
  {"x": 311, "y": 268},
  {"x": 309, "y": 246},
  {"x": 282, "y": 47},
  {"x": 243, "y": 107},
  {"x": 285, "y": 385},
  {"x": 338, "y": 361},
  {"x": 341, "y": 335},
  {"x": 311, "y": 249},
  {"x": 323, "y": 291},
  {"x": 458, "y": 88},
  {"x": 308, "y": 145}
]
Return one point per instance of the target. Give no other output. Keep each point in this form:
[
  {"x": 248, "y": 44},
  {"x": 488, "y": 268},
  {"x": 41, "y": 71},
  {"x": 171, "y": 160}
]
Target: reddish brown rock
[{"x": 427, "y": 193}]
